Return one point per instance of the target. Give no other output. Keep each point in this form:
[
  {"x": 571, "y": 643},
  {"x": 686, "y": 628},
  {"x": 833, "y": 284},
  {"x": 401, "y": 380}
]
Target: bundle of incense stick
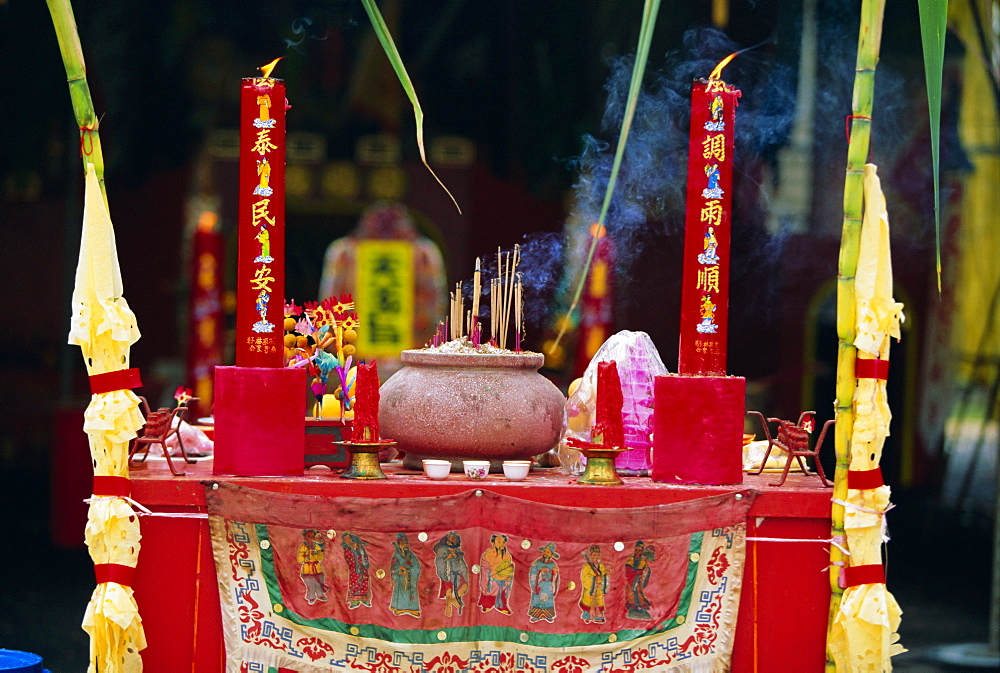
[
  {"x": 518, "y": 324},
  {"x": 506, "y": 271},
  {"x": 506, "y": 297},
  {"x": 494, "y": 314},
  {"x": 457, "y": 313},
  {"x": 474, "y": 330}
]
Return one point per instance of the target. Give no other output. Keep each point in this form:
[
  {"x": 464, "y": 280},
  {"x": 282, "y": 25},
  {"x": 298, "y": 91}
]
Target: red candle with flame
[
  {"x": 366, "y": 402},
  {"x": 705, "y": 280},
  {"x": 698, "y": 415},
  {"x": 609, "y": 429},
  {"x": 260, "y": 283}
]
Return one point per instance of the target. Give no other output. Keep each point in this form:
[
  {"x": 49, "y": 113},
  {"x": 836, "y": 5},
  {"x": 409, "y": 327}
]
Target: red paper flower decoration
[
  {"x": 339, "y": 306},
  {"x": 183, "y": 394}
]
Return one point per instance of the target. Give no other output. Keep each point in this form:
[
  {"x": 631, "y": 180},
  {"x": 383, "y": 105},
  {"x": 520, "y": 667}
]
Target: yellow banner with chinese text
[{"x": 384, "y": 297}]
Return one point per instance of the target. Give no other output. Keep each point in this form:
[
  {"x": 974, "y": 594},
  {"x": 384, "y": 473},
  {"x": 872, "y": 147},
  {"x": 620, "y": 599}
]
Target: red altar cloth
[{"x": 784, "y": 582}]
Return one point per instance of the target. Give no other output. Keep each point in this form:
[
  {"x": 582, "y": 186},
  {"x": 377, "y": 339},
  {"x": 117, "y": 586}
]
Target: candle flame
[
  {"x": 265, "y": 70},
  {"x": 598, "y": 230},
  {"x": 717, "y": 73},
  {"x": 207, "y": 220}
]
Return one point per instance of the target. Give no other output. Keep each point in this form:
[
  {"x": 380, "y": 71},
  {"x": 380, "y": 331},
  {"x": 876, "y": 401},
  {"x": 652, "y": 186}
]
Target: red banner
[
  {"x": 260, "y": 283},
  {"x": 705, "y": 285}
]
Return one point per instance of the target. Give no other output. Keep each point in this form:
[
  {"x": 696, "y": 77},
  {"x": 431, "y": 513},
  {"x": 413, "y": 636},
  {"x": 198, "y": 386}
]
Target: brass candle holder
[
  {"x": 364, "y": 457},
  {"x": 600, "y": 470}
]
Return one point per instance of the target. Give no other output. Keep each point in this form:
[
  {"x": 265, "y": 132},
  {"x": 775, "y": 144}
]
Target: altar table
[{"x": 784, "y": 603}]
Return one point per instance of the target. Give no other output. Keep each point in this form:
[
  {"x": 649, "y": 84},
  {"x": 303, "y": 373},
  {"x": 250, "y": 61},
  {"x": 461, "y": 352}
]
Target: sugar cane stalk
[
  {"x": 79, "y": 90},
  {"x": 869, "y": 39}
]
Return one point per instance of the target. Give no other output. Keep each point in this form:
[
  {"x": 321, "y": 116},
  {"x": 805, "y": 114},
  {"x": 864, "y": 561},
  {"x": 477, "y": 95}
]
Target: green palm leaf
[
  {"x": 384, "y": 37},
  {"x": 649, "y": 12},
  {"x": 933, "y": 23}
]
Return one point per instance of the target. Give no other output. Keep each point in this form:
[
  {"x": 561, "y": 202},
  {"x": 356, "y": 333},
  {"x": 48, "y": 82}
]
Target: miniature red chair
[
  {"x": 158, "y": 428},
  {"x": 793, "y": 439}
]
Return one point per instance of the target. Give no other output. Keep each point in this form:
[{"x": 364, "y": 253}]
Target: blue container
[{"x": 12, "y": 661}]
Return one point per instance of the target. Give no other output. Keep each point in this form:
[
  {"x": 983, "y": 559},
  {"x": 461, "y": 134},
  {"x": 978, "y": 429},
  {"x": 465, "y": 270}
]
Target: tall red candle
[
  {"x": 705, "y": 281},
  {"x": 206, "y": 323},
  {"x": 366, "y": 400},
  {"x": 260, "y": 283},
  {"x": 608, "y": 426}
]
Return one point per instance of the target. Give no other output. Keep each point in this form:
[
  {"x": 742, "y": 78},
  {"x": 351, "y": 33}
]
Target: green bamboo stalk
[
  {"x": 649, "y": 12},
  {"x": 79, "y": 90},
  {"x": 385, "y": 38},
  {"x": 869, "y": 39}
]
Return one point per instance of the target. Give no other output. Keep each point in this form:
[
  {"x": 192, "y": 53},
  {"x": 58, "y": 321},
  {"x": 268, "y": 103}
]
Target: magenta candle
[
  {"x": 608, "y": 427},
  {"x": 366, "y": 401}
]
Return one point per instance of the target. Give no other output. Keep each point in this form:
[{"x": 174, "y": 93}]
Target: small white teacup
[
  {"x": 516, "y": 470},
  {"x": 437, "y": 469},
  {"x": 476, "y": 469}
]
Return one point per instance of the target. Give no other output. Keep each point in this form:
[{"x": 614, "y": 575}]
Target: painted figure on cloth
[
  {"x": 453, "y": 571},
  {"x": 707, "y": 324},
  {"x": 716, "y": 107},
  {"x": 405, "y": 570},
  {"x": 264, "y": 107},
  {"x": 543, "y": 580},
  {"x": 262, "y": 300},
  {"x": 637, "y": 572},
  {"x": 594, "y": 581},
  {"x": 264, "y": 236},
  {"x": 264, "y": 173},
  {"x": 496, "y": 577},
  {"x": 712, "y": 173},
  {"x": 310, "y": 559},
  {"x": 711, "y": 243},
  {"x": 359, "y": 586}
]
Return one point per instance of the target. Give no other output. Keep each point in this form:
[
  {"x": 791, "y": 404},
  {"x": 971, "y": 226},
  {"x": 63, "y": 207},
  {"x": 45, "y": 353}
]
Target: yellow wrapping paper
[
  {"x": 864, "y": 635},
  {"x": 104, "y": 327}
]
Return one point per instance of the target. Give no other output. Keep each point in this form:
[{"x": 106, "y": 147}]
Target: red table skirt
[{"x": 784, "y": 602}]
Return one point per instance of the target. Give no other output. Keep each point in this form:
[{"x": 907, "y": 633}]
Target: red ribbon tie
[
  {"x": 865, "y": 479},
  {"x": 122, "y": 379},
  {"x": 114, "y": 572},
  {"x": 855, "y": 576},
  {"x": 871, "y": 369},
  {"x": 111, "y": 486}
]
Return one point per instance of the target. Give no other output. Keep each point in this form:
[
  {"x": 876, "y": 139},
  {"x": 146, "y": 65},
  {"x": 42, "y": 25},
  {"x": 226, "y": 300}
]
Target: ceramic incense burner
[{"x": 471, "y": 406}]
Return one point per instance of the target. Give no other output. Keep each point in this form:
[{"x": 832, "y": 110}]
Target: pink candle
[
  {"x": 366, "y": 401},
  {"x": 608, "y": 428}
]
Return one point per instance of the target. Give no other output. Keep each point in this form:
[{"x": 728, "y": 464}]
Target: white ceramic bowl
[
  {"x": 437, "y": 469},
  {"x": 476, "y": 469},
  {"x": 516, "y": 470}
]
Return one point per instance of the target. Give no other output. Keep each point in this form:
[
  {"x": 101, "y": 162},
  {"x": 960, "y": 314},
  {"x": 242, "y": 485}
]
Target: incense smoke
[
  {"x": 541, "y": 256},
  {"x": 302, "y": 29},
  {"x": 650, "y": 191}
]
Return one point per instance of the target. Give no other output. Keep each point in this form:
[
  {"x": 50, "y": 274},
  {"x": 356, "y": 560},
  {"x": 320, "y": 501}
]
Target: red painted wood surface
[
  {"x": 783, "y": 607},
  {"x": 698, "y": 429},
  {"x": 259, "y": 426}
]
